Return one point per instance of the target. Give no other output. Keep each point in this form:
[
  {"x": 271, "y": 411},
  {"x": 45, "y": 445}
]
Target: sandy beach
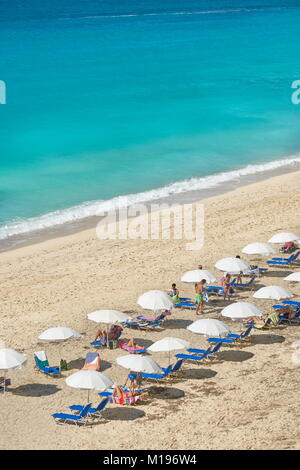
[{"x": 248, "y": 399}]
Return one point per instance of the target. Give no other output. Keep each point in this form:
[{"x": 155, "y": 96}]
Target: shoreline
[{"x": 66, "y": 229}]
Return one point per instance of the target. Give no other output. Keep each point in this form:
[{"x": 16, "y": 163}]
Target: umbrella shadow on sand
[
  {"x": 169, "y": 393},
  {"x": 283, "y": 273},
  {"x": 35, "y": 390},
  {"x": 176, "y": 323},
  {"x": 235, "y": 356},
  {"x": 122, "y": 413},
  {"x": 199, "y": 374},
  {"x": 267, "y": 339}
]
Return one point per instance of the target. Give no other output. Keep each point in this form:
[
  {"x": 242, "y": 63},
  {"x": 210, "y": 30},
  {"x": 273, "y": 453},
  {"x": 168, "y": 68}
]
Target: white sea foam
[{"x": 98, "y": 208}]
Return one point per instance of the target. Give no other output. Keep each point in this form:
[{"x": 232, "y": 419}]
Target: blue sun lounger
[
  {"x": 175, "y": 369},
  {"x": 209, "y": 352},
  {"x": 92, "y": 411},
  {"x": 291, "y": 302},
  {"x": 158, "y": 377},
  {"x": 42, "y": 364},
  {"x": 69, "y": 418},
  {"x": 245, "y": 284},
  {"x": 283, "y": 261},
  {"x": 189, "y": 305},
  {"x": 194, "y": 357}
]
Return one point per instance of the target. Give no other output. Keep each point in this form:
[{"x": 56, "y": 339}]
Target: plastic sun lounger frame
[
  {"x": 210, "y": 353},
  {"x": 158, "y": 377},
  {"x": 246, "y": 284},
  {"x": 81, "y": 418},
  {"x": 194, "y": 357},
  {"x": 92, "y": 411}
]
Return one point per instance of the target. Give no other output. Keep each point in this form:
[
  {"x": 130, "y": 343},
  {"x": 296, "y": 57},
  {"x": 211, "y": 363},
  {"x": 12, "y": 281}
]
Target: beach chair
[
  {"x": 92, "y": 361},
  {"x": 194, "y": 357},
  {"x": 100, "y": 342},
  {"x": 81, "y": 418},
  {"x": 224, "y": 340},
  {"x": 291, "y": 302},
  {"x": 137, "y": 350},
  {"x": 92, "y": 411},
  {"x": 210, "y": 353},
  {"x": 42, "y": 364},
  {"x": 189, "y": 305},
  {"x": 135, "y": 324},
  {"x": 244, "y": 336},
  {"x": 157, "y": 377},
  {"x": 4, "y": 383},
  {"x": 125, "y": 400},
  {"x": 245, "y": 285},
  {"x": 283, "y": 261},
  {"x": 151, "y": 319}
]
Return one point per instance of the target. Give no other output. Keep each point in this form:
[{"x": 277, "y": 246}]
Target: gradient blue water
[{"x": 101, "y": 103}]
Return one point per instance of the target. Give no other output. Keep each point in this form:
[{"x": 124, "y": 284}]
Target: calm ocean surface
[{"x": 109, "y": 98}]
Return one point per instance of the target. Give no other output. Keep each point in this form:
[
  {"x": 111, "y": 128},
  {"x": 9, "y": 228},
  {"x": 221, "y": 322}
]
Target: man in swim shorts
[{"x": 199, "y": 296}]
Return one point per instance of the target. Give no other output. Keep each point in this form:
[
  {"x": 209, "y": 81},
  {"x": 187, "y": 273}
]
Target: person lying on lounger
[
  {"x": 113, "y": 334},
  {"x": 121, "y": 395},
  {"x": 288, "y": 312},
  {"x": 135, "y": 379}
]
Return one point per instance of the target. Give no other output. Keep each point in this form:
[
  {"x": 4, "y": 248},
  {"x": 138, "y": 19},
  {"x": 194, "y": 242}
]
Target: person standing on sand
[{"x": 199, "y": 295}]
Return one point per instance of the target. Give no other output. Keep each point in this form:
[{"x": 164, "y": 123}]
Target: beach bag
[{"x": 63, "y": 365}]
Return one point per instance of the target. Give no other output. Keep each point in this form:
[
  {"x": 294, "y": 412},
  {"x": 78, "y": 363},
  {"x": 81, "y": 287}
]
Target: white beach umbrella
[
  {"x": 293, "y": 277},
  {"x": 232, "y": 265},
  {"x": 139, "y": 363},
  {"x": 11, "y": 359},
  {"x": 283, "y": 237},
  {"x": 155, "y": 300},
  {"x": 169, "y": 344},
  {"x": 209, "y": 327},
  {"x": 258, "y": 249},
  {"x": 59, "y": 333},
  {"x": 108, "y": 317},
  {"x": 241, "y": 310},
  {"x": 89, "y": 380},
  {"x": 272, "y": 292},
  {"x": 197, "y": 275}
]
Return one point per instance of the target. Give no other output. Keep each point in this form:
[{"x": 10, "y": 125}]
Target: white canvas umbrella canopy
[
  {"x": 139, "y": 364},
  {"x": 258, "y": 249},
  {"x": 169, "y": 344},
  {"x": 11, "y": 359},
  {"x": 283, "y": 237},
  {"x": 209, "y": 327},
  {"x": 89, "y": 380},
  {"x": 60, "y": 333},
  {"x": 108, "y": 317},
  {"x": 197, "y": 275},
  {"x": 272, "y": 292},
  {"x": 232, "y": 265},
  {"x": 294, "y": 277},
  {"x": 241, "y": 310},
  {"x": 155, "y": 300}
]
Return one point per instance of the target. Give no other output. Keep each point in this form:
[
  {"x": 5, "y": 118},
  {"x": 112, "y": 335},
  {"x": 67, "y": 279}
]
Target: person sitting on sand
[
  {"x": 113, "y": 334},
  {"x": 199, "y": 286}
]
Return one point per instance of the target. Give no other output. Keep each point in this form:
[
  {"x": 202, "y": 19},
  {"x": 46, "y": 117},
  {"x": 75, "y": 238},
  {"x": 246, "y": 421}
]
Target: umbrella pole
[{"x": 107, "y": 336}]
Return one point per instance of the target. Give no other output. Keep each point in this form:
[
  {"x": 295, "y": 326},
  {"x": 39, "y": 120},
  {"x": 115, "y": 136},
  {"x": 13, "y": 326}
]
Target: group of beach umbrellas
[{"x": 158, "y": 301}]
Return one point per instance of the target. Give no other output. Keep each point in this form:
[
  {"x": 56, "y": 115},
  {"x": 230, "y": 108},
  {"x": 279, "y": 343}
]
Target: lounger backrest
[
  {"x": 85, "y": 410},
  {"x": 216, "y": 348},
  {"x": 168, "y": 369},
  {"x": 246, "y": 332},
  {"x": 177, "y": 365},
  {"x": 102, "y": 404},
  {"x": 41, "y": 359}
]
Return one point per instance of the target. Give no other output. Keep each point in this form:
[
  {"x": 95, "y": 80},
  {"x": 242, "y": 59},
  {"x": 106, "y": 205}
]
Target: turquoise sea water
[{"x": 108, "y": 98}]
